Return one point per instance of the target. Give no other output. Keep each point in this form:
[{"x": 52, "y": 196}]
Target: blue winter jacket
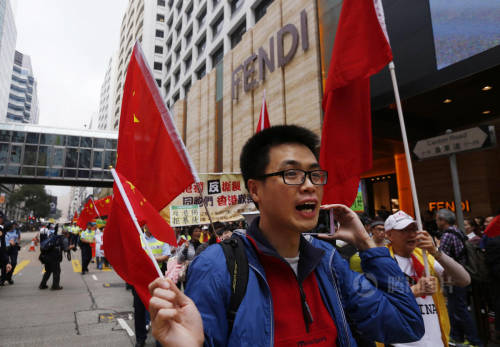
[{"x": 386, "y": 312}]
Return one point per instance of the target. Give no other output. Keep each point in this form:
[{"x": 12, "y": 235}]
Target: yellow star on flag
[
  {"x": 136, "y": 120},
  {"x": 133, "y": 92},
  {"x": 131, "y": 186},
  {"x": 107, "y": 201}
]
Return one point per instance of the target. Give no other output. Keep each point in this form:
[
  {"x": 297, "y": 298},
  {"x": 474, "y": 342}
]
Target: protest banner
[{"x": 224, "y": 193}]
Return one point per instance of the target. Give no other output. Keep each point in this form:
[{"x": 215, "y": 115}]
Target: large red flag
[
  {"x": 104, "y": 205},
  {"x": 151, "y": 153},
  {"x": 264, "y": 116},
  {"x": 88, "y": 213},
  {"x": 122, "y": 244},
  {"x": 360, "y": 50}
]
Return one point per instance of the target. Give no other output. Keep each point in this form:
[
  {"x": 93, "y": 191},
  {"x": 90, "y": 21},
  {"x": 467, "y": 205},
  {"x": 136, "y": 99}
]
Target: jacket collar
[{"x": 309, "y": 256}]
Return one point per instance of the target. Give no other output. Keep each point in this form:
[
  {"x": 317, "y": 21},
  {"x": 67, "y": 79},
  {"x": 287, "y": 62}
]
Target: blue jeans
[{"x": 462, "y": 324}]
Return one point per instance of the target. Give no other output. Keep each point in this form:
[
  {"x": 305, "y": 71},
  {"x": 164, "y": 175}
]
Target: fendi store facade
[{"x": 279, "y": 55}]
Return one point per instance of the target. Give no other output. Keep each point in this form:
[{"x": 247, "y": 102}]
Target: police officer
[
  {"x": 161, "y": 252},
  {"x": 87, "y": 237},
  {"x": 12, "y": 238},
  {"x": 52, "y": 258},
  {"x": 75, "y": 234}
]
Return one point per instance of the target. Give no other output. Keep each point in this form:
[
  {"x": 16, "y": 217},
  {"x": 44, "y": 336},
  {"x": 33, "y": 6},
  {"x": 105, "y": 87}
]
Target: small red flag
[
  {"x": 104, "y": 205},
  {"x": 493, "y": 229},
  {"x": 151, "y": 153},
  {"x": 88, "y": 213},
  {"x": 122, "y": 243},
  {"x": 264, "y": 116},
  {"x": 360, "y": 50},
  {"x": 75, "y": 217}
]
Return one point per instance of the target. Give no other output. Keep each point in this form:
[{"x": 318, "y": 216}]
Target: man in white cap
[{"x": 407, "y": 243}]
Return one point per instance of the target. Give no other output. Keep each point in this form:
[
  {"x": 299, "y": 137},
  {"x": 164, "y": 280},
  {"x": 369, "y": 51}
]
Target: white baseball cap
[{"x": 398, "y": 221}]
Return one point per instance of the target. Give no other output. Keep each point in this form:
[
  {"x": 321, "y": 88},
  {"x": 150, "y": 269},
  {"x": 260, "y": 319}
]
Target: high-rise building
[
  {"x": 106, "y": 103},
  {"x": 8, "y": 35},
  {"x": 23, "y": 100},
  {"x": 144, "y": 21}
]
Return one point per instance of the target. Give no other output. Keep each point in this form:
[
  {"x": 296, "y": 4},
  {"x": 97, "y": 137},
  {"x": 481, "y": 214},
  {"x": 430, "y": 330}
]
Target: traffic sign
[{"x": 480, "y": 137}]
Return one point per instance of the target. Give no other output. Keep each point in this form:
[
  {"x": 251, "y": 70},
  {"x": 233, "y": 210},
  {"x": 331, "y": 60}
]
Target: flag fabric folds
[
  {"x": 122, "y": 243},
  {"x": 264, "y": 116},
  {"x": 151, "y": 153},
  {"x": 104, "y": 205},
  {"x": 87, "y": 214},
  {"x": 360, "y": 50}
]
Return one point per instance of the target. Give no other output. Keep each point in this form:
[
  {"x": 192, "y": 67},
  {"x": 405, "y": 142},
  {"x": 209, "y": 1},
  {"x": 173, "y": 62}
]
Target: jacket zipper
[
  {"x": 334, "y": 278},
  {"x": 306, "y": 311},
  {"x": 270, "y": 303}
]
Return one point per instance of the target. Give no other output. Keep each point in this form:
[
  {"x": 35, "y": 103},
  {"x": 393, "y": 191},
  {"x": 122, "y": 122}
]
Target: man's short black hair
[{"x": 255, "y": 153}]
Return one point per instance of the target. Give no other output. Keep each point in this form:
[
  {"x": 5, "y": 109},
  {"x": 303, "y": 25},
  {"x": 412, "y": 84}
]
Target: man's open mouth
[{"x": 306, "y": 207}]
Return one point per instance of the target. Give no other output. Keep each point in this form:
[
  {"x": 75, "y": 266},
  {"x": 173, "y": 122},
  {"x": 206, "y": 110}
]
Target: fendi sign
[{"x": 266, "y": 59}]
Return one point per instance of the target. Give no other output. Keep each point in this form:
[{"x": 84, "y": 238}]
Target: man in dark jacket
[
  {"x": 300, "y": 291},
  {"x": 5, "y": 265},
  {"x": 51, "y": 256}
]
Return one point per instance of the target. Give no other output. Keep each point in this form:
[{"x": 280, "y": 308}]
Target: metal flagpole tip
[{"x": 111, "y": 167}]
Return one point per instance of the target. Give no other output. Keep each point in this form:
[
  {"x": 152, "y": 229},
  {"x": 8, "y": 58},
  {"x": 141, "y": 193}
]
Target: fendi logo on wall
[{"x": 263, "y": 59}]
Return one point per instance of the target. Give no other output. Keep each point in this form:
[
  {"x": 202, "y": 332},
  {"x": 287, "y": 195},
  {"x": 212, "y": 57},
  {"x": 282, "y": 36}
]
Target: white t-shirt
[
  {"x": 294, "y": 263},
  {"x": 432, "y": 336}
]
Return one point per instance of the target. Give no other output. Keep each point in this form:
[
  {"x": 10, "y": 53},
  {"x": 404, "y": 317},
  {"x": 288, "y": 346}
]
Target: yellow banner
[{"x": 226, "y": 199}]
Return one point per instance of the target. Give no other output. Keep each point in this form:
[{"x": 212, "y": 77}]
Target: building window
[
  {"x": 175, "y": 97},
  {"x": 168, "y": 64},
  {"x": 202, "y": 70},
  {"x": 178, "y": 28},
  {"x": 187, "y": 86},
  {"x": 159, "y": 49},
  {"x": 202, "y": 18},
  {"x": 170, "y": 3},
  {"x": 187, "y": 62},
  {"x": 236, "y": 5},
  {"x": 177, "y": 76},
  {"x": 188, "y": 36},
  {"x": 157, "y": 66},
  {"x": 188, "y": 11},
  {"x": 161, "y": 3},
  {"x": 200, "y": 46},
  {"x": 237, "y": 34},
  {"x": 169, "y": 43},
  {"x": 217, "y": 26},
  {"x": 158, "y": 82},
  {"x": 261, "y": 9},
  {"x": 177, "y": 53},
  {"x": 159, "y": 33},
  {"x": 167, "y": 88},
  {"x": 217, "y": 55},
  {"x": 215, "y": 3},
  {"x": 160, "y": 18}
]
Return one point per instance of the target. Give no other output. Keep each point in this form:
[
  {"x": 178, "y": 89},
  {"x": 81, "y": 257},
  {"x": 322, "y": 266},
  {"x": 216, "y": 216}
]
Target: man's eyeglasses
[{"x": 296, "y": 177}]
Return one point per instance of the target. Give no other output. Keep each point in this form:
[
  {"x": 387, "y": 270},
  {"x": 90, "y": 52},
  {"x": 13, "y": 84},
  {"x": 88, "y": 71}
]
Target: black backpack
[
  {"x": 237, "y": 265},
  {"x": 475, "y": 258}
]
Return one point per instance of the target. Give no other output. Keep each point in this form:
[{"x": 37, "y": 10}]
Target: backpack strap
[{"x": 237, "y": 265}]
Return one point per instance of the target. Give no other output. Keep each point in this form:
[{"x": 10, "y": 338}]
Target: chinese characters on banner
[{"x": 226, "y": 199}]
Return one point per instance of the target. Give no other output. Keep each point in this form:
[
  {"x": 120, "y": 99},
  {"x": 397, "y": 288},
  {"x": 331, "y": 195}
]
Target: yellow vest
[
  {"x": 88, "y": 235},
  {"x": 438, "y": 297},
  {"x": 156, "y": 247}
]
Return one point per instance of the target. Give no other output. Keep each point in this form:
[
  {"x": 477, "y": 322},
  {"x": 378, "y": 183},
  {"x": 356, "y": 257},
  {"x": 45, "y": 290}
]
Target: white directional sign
[{"x": 460, "y": 141}]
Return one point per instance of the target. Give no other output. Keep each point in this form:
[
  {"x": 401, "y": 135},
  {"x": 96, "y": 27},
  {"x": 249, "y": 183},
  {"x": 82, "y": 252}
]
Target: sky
[{"x": 70, "y": 43}]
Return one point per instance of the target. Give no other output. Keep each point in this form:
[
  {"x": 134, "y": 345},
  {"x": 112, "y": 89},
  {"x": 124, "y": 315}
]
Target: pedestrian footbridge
[{"x": 34, "y": 154}]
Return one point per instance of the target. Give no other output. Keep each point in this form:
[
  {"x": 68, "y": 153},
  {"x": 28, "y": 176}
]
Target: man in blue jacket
[{"x": 300, "y": 291}]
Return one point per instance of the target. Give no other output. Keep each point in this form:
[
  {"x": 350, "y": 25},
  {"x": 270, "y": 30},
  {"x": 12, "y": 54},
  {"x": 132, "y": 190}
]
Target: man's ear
[
  {"x": 253, "y": 189},
  {"x": 388, "y": 234}
]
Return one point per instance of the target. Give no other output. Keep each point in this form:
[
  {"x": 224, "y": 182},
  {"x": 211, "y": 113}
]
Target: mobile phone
[{"x": 326, "y": 224}]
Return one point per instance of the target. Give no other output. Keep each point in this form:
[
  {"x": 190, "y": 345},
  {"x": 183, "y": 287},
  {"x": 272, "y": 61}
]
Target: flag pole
[
  {"x": 392, "y": 69},
  {"x": 134, "y": 219},
  {"x": 95, "y": 207}
]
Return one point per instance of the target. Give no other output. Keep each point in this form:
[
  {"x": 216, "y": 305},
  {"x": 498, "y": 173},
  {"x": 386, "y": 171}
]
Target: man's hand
[
  {"x": 9, "y": 267},
  {"x": 425, "y": 242},
  {"x": 351, "y": 229},
  {"x": 425, "y": 286},
  {"x": 175, "y": 320}
]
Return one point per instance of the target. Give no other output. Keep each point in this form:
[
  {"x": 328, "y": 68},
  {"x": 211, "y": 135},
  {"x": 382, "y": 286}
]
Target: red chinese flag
[
  {"x": 151, "y": 153},
  {"x": 360, "y": 50},
  {"x": 493, "y": 229},
  {"x": 75, "y": 217},
  {"x": 122, "y": 243},
  {"x": 264, "y": 116},
  {"x": 104, "y": 205},
  {"x": 88, "y": 213}
]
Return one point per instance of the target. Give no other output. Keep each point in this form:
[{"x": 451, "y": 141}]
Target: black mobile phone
[{"x": 326, "y": 223}]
